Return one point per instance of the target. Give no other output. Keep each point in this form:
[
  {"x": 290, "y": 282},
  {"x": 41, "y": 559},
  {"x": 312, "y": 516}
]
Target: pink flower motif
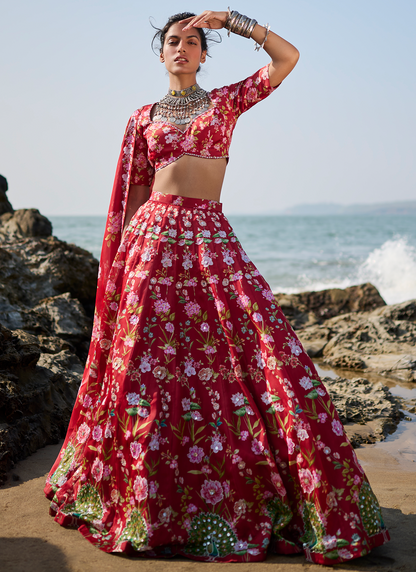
[
  {"x": 192, "y": 508},
  {"x": 186, "y": 404},
  {"x": 97, "y": 470},
  {"x": 135, "y": 449},
  {"x": 295, "y": 346},
  {"x": 105, "y": 344},
  {"x": 192, "y": 309},
  {"x": 337, "y": 427},
  {"x": 257, "y": 447},
  {"x": 110, "y": 287},
  {"x": 204, "y": 327},
  {"x": 329, "y": 542},
  {"x": 196, "y": 416},
  {"x": 257, "y": 317},
  {"x": 268, "y": 294},
  {"x": 205, "y": 374},
  {"x": 290, "y": 445},
  {"x": 114, "y": 223},
  {"x": 306, "y": 383},
  {"x": 83, "y": 433},
  {"x": 97, "y": 433},
  {"x": 238, "y": 399},
  {"x": 251, "y": 94},
  {"x": 170, "y": 327},
  {"x": 306, "y": 481},
  {"x": 243, "y": 301},
  {"x": 344, "y": 553},
  {"x": 278, "y": 484},
  {"x": 322, "y": 417},
  {"x": 211, "y": 492},
  {"x": 162, "y": 306},
  {"x": 196, "y": 454},
  {"x": 153, "y": 486},
  {"x": 357, "y": 480},
  {"x": 132, "y": 298},
  {"x": 87, "y": 401},
  {"x": 321, "y": 391},
  {"x": 244, "y": 435},
  {"x": 140, "y": 488}
]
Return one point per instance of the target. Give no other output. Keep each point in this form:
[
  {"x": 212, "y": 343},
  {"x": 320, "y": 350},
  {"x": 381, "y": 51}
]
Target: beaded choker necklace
[{"x": 181, "y": 107}]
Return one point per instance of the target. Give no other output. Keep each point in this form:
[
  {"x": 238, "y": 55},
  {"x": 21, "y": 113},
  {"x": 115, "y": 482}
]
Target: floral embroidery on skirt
[{"x": 201, "y": 427}]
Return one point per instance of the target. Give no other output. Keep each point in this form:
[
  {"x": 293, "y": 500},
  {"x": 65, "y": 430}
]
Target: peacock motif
[
  {"x": 370, "y": 511},
  {"x": 59, "y": 476},
  {"x": 135, "y": 531},
  {"x": 210, "y": 535}
]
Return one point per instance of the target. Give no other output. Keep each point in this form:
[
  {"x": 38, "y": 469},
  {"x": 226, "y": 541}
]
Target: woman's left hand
[{"x": 208, "y": 19}]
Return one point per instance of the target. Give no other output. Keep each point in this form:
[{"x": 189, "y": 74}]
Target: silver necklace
[{"x": 181, "y": 107}]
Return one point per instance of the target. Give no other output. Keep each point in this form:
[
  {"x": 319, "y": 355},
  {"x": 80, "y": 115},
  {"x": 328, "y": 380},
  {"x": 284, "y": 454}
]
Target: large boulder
[
  {"x": 368, "y": 410},
  {"x": 308, "y": 308},
  {"x": 32, "y": 269},
  {"x": 24, "y": 223},
  {"x": 5, "y": 206},
  {"x": 382, "y": 341},
  {"x": 37, "y": 392}
]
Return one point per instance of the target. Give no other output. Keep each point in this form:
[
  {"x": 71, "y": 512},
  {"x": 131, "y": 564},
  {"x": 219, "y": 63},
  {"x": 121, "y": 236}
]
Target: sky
[{"x": 341, "y": 128}]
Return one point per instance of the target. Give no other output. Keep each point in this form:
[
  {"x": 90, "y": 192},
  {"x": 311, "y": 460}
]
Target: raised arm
[{"x": 284, "y": 55}]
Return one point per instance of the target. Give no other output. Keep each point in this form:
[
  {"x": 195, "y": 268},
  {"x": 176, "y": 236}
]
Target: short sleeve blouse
[{"x": 158, "y": 143}]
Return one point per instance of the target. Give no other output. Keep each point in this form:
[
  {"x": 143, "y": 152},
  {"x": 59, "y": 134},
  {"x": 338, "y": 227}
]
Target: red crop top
[{"x": 158, "y": 143}]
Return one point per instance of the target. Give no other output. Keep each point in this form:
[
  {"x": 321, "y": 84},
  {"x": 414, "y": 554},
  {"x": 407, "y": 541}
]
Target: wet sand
[{"x": 31, "y": 540}]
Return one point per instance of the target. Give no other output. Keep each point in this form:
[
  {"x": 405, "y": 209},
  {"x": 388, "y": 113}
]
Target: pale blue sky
[{"x": 341, "y": 128}]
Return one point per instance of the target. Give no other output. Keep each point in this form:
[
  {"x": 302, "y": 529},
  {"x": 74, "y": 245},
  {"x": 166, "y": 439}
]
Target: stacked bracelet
[
  {"x": 257, "y": 46},
  {"x": 239, "y": 24}
]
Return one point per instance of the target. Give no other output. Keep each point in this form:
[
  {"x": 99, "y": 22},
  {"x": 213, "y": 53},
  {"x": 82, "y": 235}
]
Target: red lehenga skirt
[{"x": 201, "y": 427}]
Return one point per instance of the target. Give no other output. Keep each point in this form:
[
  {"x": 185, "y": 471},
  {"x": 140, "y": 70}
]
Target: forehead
[{"x": 177, "y": 30}]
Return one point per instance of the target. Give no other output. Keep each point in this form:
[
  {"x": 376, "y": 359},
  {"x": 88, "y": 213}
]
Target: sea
[{"x": 303, "y": 253}]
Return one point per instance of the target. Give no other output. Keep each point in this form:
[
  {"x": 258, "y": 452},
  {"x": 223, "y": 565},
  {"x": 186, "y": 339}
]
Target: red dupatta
[{"x": 117, "y": 209}]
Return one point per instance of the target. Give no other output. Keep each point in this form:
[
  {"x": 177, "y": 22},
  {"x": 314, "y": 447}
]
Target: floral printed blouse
[{"x": 159, "y": 143}]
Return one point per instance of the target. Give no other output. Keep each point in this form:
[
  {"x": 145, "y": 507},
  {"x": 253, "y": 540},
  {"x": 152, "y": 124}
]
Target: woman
[{"x": 201, "y": 427}]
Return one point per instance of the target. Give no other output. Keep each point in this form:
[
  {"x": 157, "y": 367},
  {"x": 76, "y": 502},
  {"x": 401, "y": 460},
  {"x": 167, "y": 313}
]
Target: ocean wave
[{"x": 391, "y": 268}]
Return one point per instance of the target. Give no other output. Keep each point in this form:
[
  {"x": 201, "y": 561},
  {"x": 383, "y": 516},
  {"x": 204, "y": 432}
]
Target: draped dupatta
[{"x": 117, "y": 209}]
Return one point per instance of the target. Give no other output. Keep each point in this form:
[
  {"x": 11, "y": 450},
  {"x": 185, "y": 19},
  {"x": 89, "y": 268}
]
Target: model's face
[{"x": 182, "y": 51}]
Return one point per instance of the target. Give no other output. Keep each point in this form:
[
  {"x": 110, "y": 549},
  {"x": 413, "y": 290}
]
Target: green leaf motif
[
  {"x": 187, "y": 416},
  {"x": 195, "y": 406},
  {"x": 132, "y": 411},
  {"x": 240, "y": 412},
  {"x": 312, "y": 394}
]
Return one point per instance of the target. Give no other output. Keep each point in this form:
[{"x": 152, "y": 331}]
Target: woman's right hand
[{"x": 208, "y": 19}]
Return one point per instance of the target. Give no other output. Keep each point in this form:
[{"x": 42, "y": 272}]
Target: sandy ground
[{"x": 30, "y": 540}]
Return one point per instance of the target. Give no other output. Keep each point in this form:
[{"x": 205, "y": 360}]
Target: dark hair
[{"x": 159, "y": 38}]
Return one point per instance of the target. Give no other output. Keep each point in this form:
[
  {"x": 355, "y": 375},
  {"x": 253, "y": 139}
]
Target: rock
[
  {"x": 32, "y": 269},
  {"x": 376, "y": 343},
  {"x": 362, "y": 403},
  {"x": 67, "y": 318},
  {"x": 308, "y": 308},
  {"x": 24, "y": 223},
  {"x": 5, "y": 206},
  {"x": 47, "y": 296},
  {"x": 37, "y": 393}
]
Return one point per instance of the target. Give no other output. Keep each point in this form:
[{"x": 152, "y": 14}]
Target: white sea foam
[{"x": 390, "y": 268}]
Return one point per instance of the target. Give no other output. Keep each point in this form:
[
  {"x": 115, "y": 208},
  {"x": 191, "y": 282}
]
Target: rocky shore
[{"x": 47, "y": 292}]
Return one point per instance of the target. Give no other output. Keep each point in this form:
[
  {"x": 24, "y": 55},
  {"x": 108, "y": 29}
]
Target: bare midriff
[{"x": 193, "y": 177}]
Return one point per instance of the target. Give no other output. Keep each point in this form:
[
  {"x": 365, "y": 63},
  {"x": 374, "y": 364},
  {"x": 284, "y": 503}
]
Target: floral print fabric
[
  {"x": 158, "y": 143},
  {"x": 201, "y": 427}
]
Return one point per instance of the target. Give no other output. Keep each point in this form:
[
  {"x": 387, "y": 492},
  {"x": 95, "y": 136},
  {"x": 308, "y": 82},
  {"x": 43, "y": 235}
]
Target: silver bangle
[
  {"x": 239, "y": 24},
  {"x": 257, "y": 46}
]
